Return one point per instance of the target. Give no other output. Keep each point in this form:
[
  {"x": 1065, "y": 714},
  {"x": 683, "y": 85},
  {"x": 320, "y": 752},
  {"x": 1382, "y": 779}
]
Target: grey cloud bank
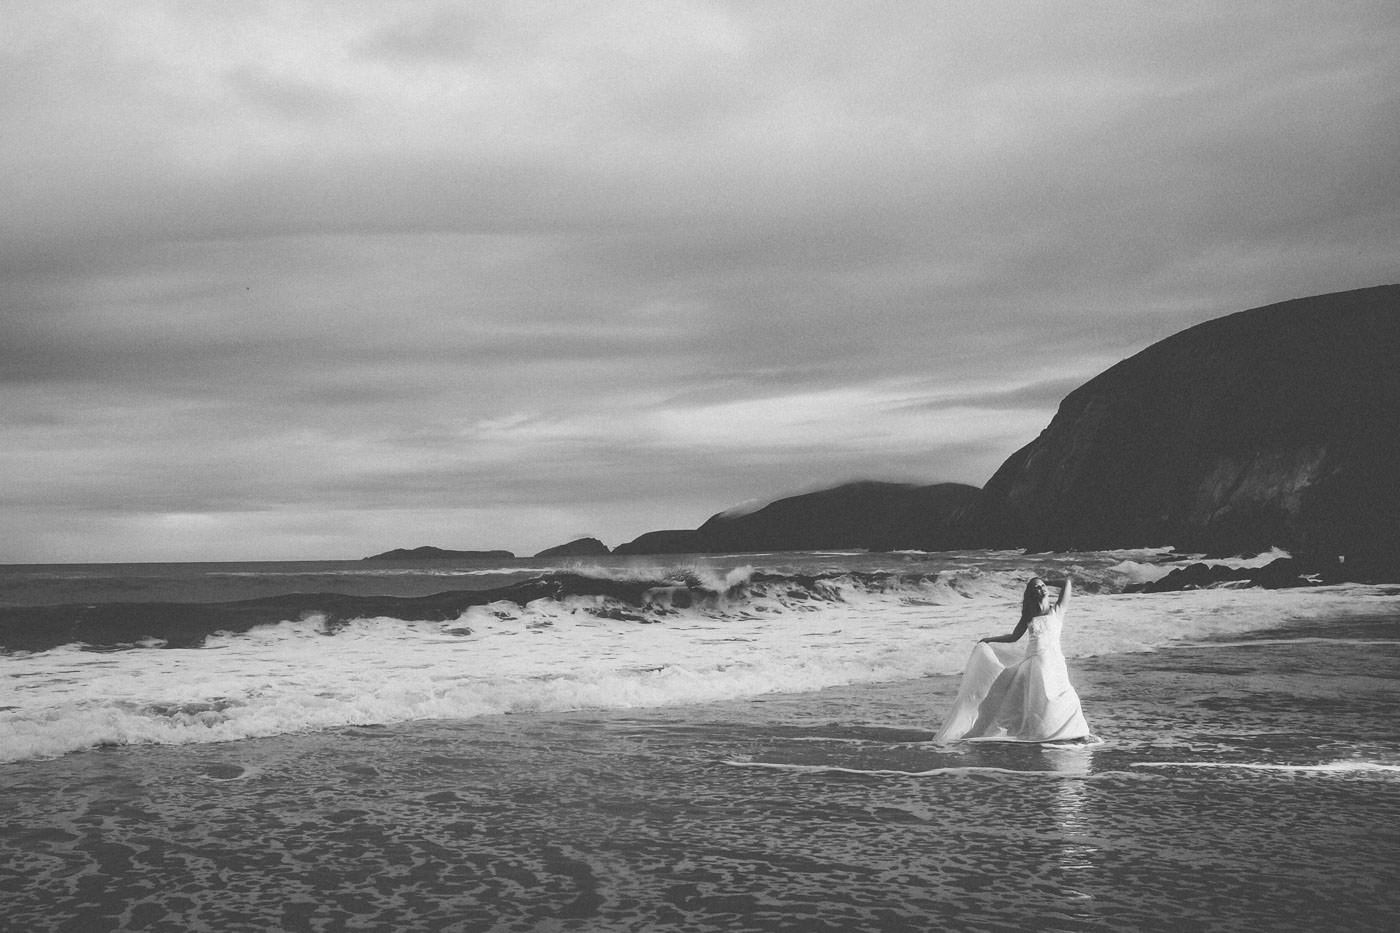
[{"x": 284, "y": 281}]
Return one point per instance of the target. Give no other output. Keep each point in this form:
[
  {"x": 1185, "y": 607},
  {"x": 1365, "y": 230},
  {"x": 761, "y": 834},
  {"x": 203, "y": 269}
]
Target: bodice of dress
[{"x": 1044, "y": 632}]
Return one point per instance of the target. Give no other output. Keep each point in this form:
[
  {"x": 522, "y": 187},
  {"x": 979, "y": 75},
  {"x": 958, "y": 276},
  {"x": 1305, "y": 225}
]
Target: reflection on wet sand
[{"x": 1077, "y": 852}]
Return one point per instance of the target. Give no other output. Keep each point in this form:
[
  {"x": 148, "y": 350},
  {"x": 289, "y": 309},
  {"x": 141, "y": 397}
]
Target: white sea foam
[
  {"x": 591, "y": 652},
  {"x": 1327, "y": 767},
  {"x": 963, "y": 771},
  {"x": 1147, "y": 566}
]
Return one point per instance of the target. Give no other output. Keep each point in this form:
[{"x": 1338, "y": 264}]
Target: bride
[{"x": 1029, "y": 699}]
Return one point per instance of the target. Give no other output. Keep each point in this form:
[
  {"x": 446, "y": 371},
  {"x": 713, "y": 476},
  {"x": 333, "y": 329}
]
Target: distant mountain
[
  {"x": 583, "y": 547},
  {"x": 1277, "y": 426},
  {"x": 437, "y": 553},
  {"x": 864, "y": 515},
  {"x": 676, "y": 541},
  {"x": 870, "y": 515},
  {"x": 1274, "y": 426}
]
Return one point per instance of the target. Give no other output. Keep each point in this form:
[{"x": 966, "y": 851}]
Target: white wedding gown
[{"x": 1015, "y": 697}]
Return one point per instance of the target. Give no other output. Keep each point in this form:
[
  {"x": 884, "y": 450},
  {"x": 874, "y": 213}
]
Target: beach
[{"x": 1245, "y": 786}]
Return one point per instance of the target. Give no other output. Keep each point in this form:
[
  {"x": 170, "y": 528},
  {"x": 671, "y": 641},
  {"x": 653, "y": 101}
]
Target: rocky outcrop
[
  {"x": 583, "y": 547},
  {"x": 437, "y": 553},
  {"x": 863, "y": 515},
  {"x": 1278, "y": 426},
  {"x": 1277, "y": 574}
]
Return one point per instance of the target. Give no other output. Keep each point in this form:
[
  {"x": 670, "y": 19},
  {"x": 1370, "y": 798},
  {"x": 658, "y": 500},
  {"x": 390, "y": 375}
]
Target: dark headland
[
  {"x": 437, "y": 553},
  {"x": 582, "y": 547},
  {"x": 866, "y": 515},
  {"x": 1278, "y": 426},
  {"x": 1273, "y": 427}
]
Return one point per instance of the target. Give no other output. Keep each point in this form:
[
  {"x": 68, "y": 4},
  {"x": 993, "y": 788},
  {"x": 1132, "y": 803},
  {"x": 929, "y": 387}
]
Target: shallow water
[{"x": 1248, "y": 786}]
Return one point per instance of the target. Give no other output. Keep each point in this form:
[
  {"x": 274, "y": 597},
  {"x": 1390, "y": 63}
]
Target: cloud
[{"x": 622, "y": 265}]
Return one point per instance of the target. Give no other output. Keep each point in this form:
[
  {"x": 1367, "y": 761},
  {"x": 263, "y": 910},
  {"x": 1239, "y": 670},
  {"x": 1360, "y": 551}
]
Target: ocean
[{"x": 699, "y": 743}]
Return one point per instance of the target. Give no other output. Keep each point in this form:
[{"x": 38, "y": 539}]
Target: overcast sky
[{"x": 314, "y": 280}]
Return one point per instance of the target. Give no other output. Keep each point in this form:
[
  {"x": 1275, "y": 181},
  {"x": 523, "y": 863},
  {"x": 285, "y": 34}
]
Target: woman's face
[{"x": 1038, "y": 589}]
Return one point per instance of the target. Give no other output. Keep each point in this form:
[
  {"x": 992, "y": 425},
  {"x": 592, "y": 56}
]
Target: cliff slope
[
  {"x": 864, "y": 515},
  {"x": 582, "y": 547},
  {"x": 1274, "y": 426},
  {"x": 869, "y": 515}
]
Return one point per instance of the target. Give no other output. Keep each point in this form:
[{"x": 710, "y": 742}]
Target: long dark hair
[{"x": 1030, "y": 601}]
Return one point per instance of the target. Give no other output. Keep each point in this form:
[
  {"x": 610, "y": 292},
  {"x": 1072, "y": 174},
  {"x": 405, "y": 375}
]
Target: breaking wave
[{"x": 598, "y": 636}]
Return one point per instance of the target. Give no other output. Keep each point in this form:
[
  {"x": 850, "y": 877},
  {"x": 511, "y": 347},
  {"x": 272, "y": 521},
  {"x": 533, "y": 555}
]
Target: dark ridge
[
  {"x": 1270, "y": 427},
  {"x": 867, "y": 515},
  {"x": 663, "y": 542},
  {"x": 872, "y": 516},
  {"x": 437, "y": 553},
  {"x": 583, "y": 547}
]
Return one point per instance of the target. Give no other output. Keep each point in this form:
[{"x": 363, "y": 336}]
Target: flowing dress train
[{"x": 1029, "y": 699}]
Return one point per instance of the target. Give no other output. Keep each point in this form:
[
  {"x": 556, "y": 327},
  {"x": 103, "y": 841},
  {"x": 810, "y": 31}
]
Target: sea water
[
  {"x": 746, "y": 625},
  {"x": 742, "y": 746}
]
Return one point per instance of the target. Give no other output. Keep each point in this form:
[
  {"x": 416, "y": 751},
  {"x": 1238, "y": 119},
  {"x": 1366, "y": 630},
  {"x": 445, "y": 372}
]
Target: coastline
[{"x": 1248, "y": 784}]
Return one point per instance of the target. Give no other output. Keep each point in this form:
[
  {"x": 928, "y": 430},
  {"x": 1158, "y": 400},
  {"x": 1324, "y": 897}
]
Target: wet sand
[{"x": 1254, "y": 786}]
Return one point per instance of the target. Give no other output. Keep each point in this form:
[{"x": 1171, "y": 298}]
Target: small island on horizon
[{"x": 437, "y": 553}]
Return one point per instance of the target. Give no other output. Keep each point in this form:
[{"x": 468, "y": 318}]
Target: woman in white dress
[{"x": 1020, "y": 699}]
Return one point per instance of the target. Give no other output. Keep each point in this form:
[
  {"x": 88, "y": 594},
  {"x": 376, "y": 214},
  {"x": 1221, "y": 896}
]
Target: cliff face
[{"x": 1274, "y": 426}]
